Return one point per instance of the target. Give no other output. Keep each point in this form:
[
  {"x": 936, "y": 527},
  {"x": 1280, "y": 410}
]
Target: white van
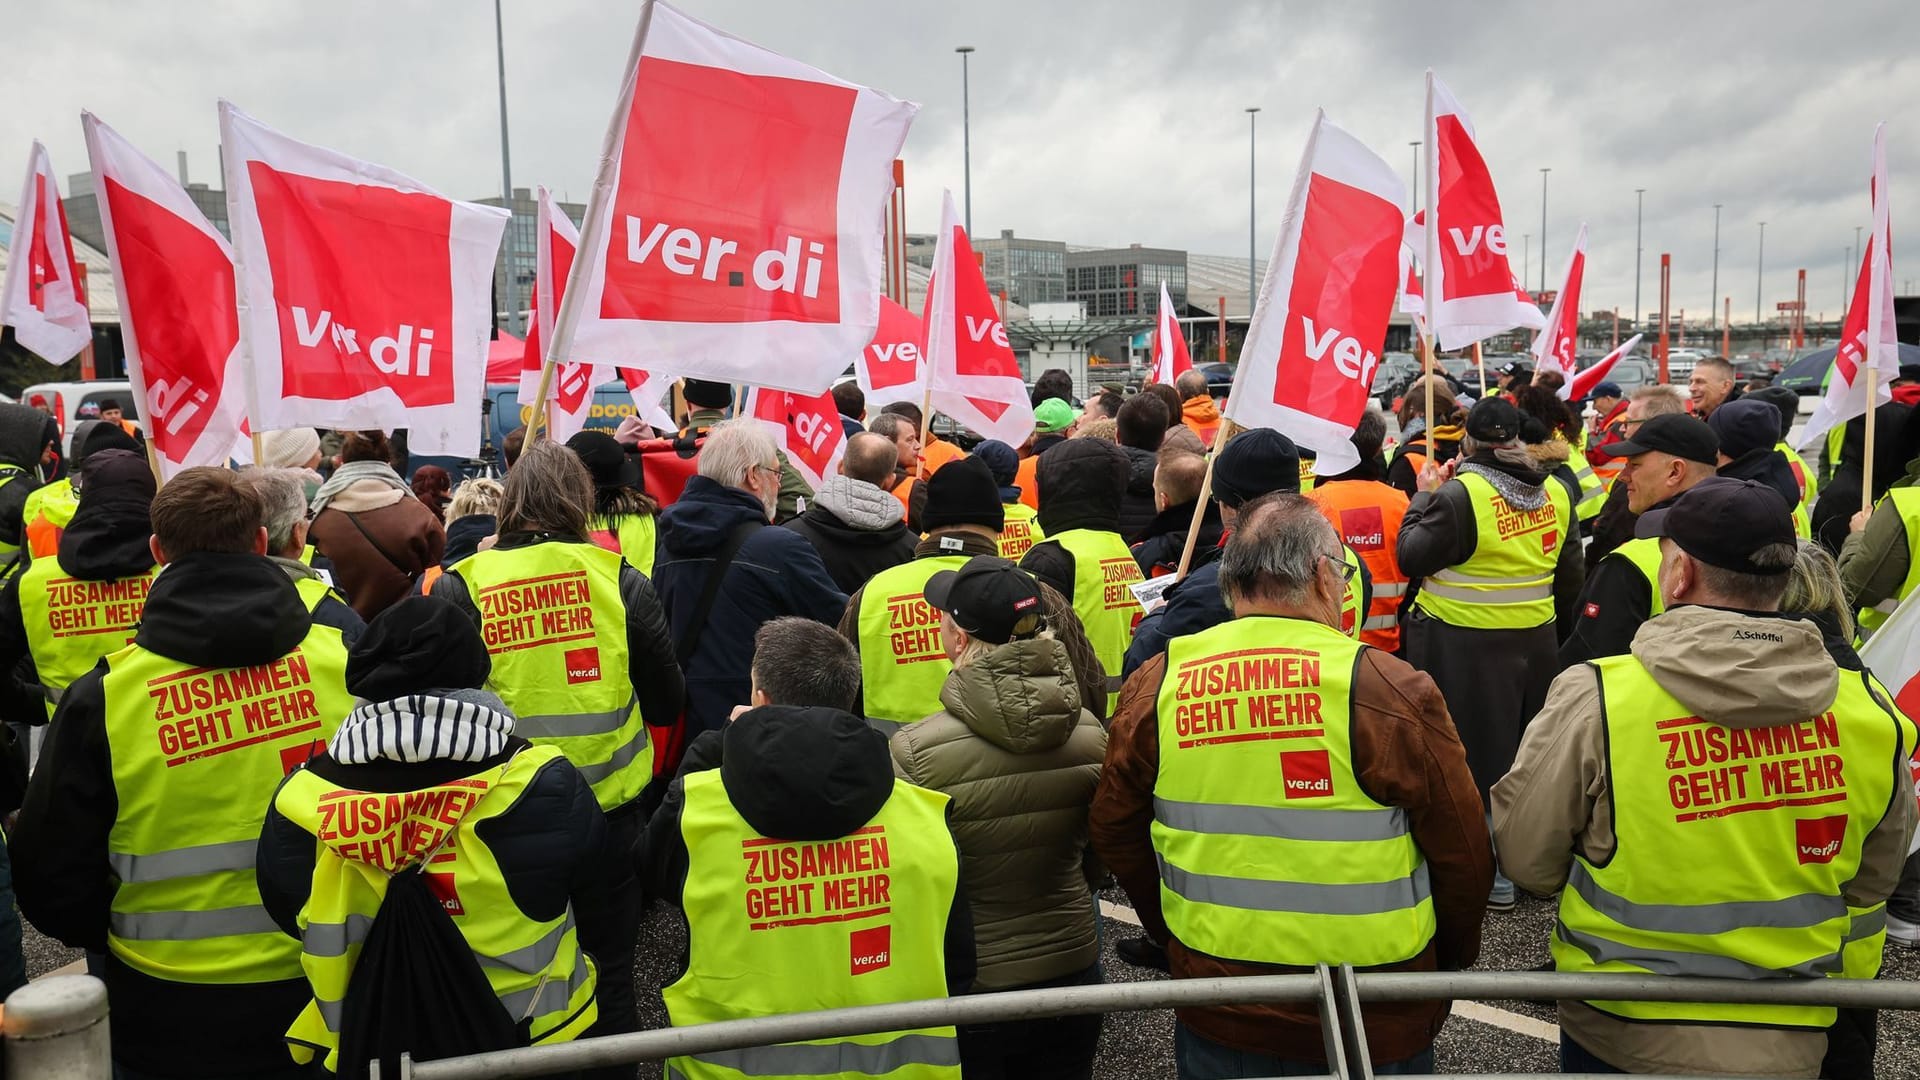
[{"x": 71, "y": 402}]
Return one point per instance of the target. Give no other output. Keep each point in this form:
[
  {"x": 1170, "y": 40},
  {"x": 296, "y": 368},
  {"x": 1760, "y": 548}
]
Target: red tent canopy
[{"x": 503, "y": 360}]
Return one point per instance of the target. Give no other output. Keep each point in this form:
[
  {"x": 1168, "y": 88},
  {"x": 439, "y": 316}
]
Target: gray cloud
[{"x": 1109, "y": 122}]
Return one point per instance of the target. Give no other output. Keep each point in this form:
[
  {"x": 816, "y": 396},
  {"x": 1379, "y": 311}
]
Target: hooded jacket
[
  {"x": 857, "y": 528},
  {"x": 1137, "y": 509},
  {"x": 1439, "y": 530},
  {"x": 25, "y": 432},
  {"x": 1159, "y": 549},
  {"x": 1734, "y": 668},
  {"x": 1020, "y": 758},
  {"x": 1081, "y": 483},
  {"x": 794, "y": 774},
  {"x": 204, "y": 610},
  {"x": 1202, "y": 417},
  {"x": 775, "y": 572},
  {"x": 1406, "y": 754},
  {"x": 1767, "y": 466},
  {"x": 379, "y": 538}
]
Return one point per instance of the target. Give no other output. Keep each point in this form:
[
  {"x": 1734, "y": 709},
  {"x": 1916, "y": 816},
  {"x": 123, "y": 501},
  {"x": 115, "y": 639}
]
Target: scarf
[
  {"x": 344, "y": 477},
  {"x": 445, "y": 725}
]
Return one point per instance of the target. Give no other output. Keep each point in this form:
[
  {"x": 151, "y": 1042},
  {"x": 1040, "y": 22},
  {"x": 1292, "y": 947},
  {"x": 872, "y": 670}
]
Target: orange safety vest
[
  {"x": 1027, "y": 478},
  {"x": 937, "y": 454},
  {"x": 1367, "y": 516}
]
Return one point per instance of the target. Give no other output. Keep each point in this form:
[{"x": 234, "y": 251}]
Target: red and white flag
[
  {"x": 737, "y": 221},
  {"x": 570, "y": 390},
  {"x": 365, "y": 296},
  {"x": 806, "y": 426},
  {"x": 1867, "y": 338},
  {"x": 1554, "y": 347},
  {"x": 1314, "y": 346},
  {"x": 1170, "y": 357},
  {"x": 42, "y": 298},
  {"x": 174, "y": 278},
  {"x": 1581, "y": 385},
  {"x": 1472, "y": 293},
  {"x": 1412, "y": 301},
  {"x": 892, "y": 367},
  {"x": 970, "y": 363},
  {"x": 1892, "y": 654}
]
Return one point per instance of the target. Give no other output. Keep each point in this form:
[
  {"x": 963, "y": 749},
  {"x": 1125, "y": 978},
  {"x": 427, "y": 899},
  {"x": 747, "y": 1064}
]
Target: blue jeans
[
  {"x": 1199, "y": 1058},
  {"x": 1575, "y": 1058}
]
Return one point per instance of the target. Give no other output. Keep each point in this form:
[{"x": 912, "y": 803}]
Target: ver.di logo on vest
[
  {"x": 1818, "y": 840},
  {"x": 1306, "y": 774},
  {"x": 870, "y": 949},
  {"x": 583, "y": 665}
]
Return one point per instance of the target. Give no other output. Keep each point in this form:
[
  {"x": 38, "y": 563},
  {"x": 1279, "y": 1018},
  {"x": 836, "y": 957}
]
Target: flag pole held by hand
[
  {"x": 1866, "y": 465},
  {"x": 1227, "y": 428}
]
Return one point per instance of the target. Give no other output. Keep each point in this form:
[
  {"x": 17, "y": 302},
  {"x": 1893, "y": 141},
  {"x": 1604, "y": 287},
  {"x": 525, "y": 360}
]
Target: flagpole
[
  {"x": 1480, "y": 363},
  {"x": 153, "y": 459},
  {"x": 1227, "y": 429},
  {"x": 926, "y": 426},
  {"x": 1866, "y": 465},
  {"x": 1430, "y": 294}
]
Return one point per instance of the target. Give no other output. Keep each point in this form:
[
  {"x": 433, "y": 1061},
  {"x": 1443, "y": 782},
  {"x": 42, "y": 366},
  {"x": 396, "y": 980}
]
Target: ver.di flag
[
  {"x": 1868, "y": 338},
  {"x": 892, "y": 367},
  {"x": 1471, "y": 292},
  {"x": 1314, "y": 345},
  {"x": 41, "y": 297},
  {"x": 736, "y": 224},
  {"x": 1892, "y": 654},
  {"x": 365, "y": 296},
  {"x": 570, "y": 390},
  {"x": 1580, "y": 386},
  {"x": 806, "y": 426},
  {"x": 1554, "y": 347},
  {"x": 174, "y": 278},
  {"x": 1170, "y": 357},
  {"x": 970, "y": 363}
]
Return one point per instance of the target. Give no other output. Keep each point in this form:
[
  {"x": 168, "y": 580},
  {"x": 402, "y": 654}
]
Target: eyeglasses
[
  {"x": 774, "y": 469},
  {"x": 1347, "y": 569}
]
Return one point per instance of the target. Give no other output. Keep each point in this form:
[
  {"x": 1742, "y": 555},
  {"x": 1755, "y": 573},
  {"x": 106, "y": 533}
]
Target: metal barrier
[{"x": 1338, "y": 993}]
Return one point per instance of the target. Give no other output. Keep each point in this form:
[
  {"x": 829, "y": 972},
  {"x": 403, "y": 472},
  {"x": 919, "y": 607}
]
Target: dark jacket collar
[{"x": 223, "y": 611}]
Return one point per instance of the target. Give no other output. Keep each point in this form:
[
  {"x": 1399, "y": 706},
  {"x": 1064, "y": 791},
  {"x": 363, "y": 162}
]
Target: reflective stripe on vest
[
  {"x": 1352, "y": 621},
  {"x": 1904, "y": 502},
  {"x": 1304, "y": 871},
  {"x": 778, "y": 926},
  {"x": 534, "y": 967},
  {"x": 72, "y": 623},
  {"x": 1593, "y": 493},
  {"x": 1734, "y": 845},
  {"x": 1507, "y": 583},
  {"x": 1643, "y": 554},
  {"x": 1103, "y": 568},
  {"x": 1809, "y": 485},
  {"x": 196, "y": 756},
  {"x": 47, "y": 513},
  {"x": 634, "y": 539},
  {"x": 556, "y": 627},
  {"x": 903, "y": 662},
  {"x": 1020, "y": 532},
  {"x": 1367, "y": 514}
]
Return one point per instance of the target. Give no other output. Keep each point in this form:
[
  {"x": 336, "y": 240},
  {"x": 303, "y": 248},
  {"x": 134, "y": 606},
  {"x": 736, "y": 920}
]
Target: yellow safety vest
[
  {"x": 778, "y": 926},
  {"x": 634, "y": 539},
  {"x": 534, "y": 967},
  {"x": 197, "y": 754},
  {"x": 46, "y": 514},
  {"x": 1353, "y": 620},
  {"x": 10, "y": 553},
  {"x": 555, "y": 625},
  {"x": 1507, "y": 583},
  {"x": 1643, "y": 554},
  {"x": 1308, "y": 870},
  {"x": 1020, "y": 532},
  {"x": 312, "y": 590},
  {"x": 1734, "y": 845},
  {"x": 1103, "y": 569},
  {"x": 1904, "y": 501},
  {"x": 1809, "y": 484},
  {"x": 903, "y": 661},
  {"x": 1307, "y": 475},
  {"x": 1593, "y": 493},
  {"x": 72, "y": 623}
]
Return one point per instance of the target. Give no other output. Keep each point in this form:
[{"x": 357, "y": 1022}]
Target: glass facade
[
  {"x": 520, "y": 235},
  {"x": 1028, "y": 271},
  {"x": 1125, "y": 282}
]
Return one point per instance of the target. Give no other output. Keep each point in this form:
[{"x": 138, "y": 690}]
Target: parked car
[
  {"x": 1396, "y": 372},
  {"x": 71, "y": 402}
]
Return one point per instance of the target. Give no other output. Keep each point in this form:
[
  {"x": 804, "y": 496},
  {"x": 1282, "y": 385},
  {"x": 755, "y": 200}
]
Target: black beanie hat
[
  {"x": 421, "y": 643},
  {"x": 104, "y": 437},
  {"x": 707, "y": 394},
  {"x": 1255, "y": 462},
  {"x": 962, "y": 492}
]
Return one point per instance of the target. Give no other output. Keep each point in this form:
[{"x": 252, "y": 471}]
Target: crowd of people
[{"x": 320, "y": 763}]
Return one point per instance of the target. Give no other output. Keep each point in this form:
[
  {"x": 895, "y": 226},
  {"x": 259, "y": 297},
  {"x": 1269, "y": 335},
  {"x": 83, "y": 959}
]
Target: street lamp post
[
  {"x": 506, "y": 172},
  {"x": 966, "y": 134},
  {"x": 1253, "y": 286},
  {"x": 1639, "y": 203},
  {"x": 1526, "y": 257},
  {"x": 1713, "y": 311},
  {"x": 1416, "y": 174},
  {"x": 1760, "y": 274},
  {"x": 1543, "y": 228}
]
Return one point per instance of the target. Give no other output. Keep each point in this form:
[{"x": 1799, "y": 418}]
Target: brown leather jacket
[{"x": 1405, "y": 754}]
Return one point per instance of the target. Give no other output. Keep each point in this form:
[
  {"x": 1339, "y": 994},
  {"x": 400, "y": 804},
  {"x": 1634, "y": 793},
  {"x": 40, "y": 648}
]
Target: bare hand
[
  {"x": 1858, "y": 522},
  {"x": 738, "y": 711},
  {"x": 1432, "y": 475}
]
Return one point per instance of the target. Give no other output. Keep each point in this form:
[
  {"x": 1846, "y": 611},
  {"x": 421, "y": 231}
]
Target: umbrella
[{"x": 1808, "y": 375}]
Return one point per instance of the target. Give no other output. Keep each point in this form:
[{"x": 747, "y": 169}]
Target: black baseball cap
[
  {"x": 606, "y": 460},
  {"x": 1723, "y": 522},
  {"x": 990, "y": 598},
  {"x": 1517, "y": 367},
  {"x": 1683, "y": 436},
  {"x": 1494, "y": 420}
]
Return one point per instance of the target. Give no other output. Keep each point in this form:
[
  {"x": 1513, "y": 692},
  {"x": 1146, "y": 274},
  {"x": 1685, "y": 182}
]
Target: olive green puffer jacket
[{"x": 1020, "y": 759}]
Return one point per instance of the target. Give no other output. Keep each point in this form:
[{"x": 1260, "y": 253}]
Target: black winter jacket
[
  {"x": 651, "y": 665},
  {"x": 776, "y": 572},
  {"x": 1159, "y": 549},
  {"x": 1616, "y": 599},
  {"x": 25, "y": 433},
  {"x": 852, "y": 553},
  {"x": 208, "y": 611},
  {"x": 1438, "y": 531},
  {"x": 793, "y": 774},
  {"x": 1136, "y": 502},
  {"x": 1081, "y": 484}
]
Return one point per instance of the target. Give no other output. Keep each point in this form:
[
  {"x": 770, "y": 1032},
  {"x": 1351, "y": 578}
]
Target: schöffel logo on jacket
[
  {"x": 1364, "y": 528},
  {"x": 1307, "y": 774},
  {"x": 583, "y": 665},
  {"x": 871, "y": 949},
  {"x": 1817, "y": 840},
  {"x": 1759, "y": 635}
]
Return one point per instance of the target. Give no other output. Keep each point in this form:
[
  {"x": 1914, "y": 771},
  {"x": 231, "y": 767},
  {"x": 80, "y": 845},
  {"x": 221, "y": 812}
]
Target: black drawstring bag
[{"x": 417, "y": 989}]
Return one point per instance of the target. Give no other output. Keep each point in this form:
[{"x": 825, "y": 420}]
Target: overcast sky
[{"x": 1103, "y": 122}]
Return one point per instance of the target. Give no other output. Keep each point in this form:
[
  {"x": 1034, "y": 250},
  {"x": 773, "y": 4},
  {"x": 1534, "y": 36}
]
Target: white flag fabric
[
  {"x": 737, "y": 221},
  {"x": 174, "y": 278},
  {"x": 1867, "y": 338},
  {"x": 1314, "y": 345},
  {"x": 1170, "y": 357},
  {"x": 570, "y": 390},
  {"x": 893, "y": 365},
  {"x": 1892, "y": 654},
  {"x": 1581, "y": 385},
  {"x": 41, "y": 297},
  {"x": 1555, "y": 346},
  {"x": 365, "y": 296},
  {"x": 1471, "y": 291},
  {"x": 970, "y": 363}
]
